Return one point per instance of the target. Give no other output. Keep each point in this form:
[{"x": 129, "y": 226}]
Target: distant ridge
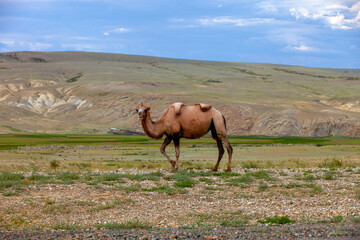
[{"x": 82, "y": 92}]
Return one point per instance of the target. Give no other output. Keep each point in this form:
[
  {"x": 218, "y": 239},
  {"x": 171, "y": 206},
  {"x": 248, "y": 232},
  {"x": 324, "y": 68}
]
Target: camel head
[{"x": 142, "y": 110}]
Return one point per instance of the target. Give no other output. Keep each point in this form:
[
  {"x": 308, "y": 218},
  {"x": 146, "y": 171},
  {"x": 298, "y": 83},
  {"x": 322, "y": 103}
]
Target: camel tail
[{"x": 224, "y": 122}]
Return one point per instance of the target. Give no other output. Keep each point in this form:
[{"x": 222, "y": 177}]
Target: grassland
[
  {"x": 69, "y": 182},
  {"x": 110, "y": 152}
]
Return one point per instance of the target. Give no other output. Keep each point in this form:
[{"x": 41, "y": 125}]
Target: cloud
[
  {"x": 336, "y": 14},
  {"x": 233, "y": 21},
  {"x": 9, "y": 44},
  {"x": 118, "y": 30},
  {"x": 303, "y": 48}
]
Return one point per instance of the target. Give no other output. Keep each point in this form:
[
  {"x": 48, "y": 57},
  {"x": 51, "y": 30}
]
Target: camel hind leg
[
  {"x": 177, "y": 151},
  {"x": 219, "y": 130},
  {"x": 230, "y": 152},
  {"x": 221, "y": 153},
  {"x": 166, "y": 142},
  {"x": 219, "y": 145}
]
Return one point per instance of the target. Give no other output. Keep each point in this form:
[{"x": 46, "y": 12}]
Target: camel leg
[
  {"x": 230, "y": 152},
  {"x": 177, "y": 151},
  {"x": 166, "y": 142},
  {"x": 221, "y": 153}
]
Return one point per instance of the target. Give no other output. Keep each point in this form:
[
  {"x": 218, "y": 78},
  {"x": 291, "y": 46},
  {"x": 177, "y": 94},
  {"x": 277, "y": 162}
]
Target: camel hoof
[
  {"x": 173, "y": 164},
  {"x": 214, "y": 169},
  {"x": 228, "y": 170}
]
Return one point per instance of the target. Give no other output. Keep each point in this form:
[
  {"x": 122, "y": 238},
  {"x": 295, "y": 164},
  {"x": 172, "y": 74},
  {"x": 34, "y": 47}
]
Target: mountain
[{"x": 81, "y": 92}]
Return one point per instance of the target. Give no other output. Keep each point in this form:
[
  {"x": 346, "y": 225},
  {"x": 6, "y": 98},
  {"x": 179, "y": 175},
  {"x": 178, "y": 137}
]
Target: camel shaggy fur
[{"x": 186, "y": 121}]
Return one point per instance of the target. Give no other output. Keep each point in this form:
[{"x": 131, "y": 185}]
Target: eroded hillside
[{"x": 76, "y": 92}]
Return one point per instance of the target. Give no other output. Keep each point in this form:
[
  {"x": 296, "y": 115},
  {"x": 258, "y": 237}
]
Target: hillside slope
[{"x": 78, "y": 92}]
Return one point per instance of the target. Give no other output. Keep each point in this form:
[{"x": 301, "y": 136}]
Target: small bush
[
  {"x": 277, "y": 220},
  {"x": 74, "y": 79},
  {"x": 54, "y": 164},
  {"x": 331, "y": 163},
  {"x": 250, "y": 164}
]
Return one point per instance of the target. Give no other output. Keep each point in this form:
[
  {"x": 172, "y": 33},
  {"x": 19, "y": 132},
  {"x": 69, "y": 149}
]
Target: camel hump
[
  {"x": 203, "y": 107},
  {"x": 177, "y": 107}
]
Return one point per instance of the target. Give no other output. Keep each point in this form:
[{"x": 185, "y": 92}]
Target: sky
[{"x": 313, "y": 33}]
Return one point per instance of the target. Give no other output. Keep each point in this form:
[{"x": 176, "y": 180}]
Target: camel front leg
[
  {"x": 166, "y": 142},
  {"x": 177, "y": 152}
]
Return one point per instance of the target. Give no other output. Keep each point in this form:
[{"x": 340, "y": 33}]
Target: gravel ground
[
  {"x": 322, "y": 208},
  {"x": 287, "y": 231}
]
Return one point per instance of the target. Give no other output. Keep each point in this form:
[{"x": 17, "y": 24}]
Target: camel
[{"x": 186, "y": 121}]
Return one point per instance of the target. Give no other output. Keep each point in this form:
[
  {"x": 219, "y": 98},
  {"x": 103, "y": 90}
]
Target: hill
[{"x": 80, "y": 92}]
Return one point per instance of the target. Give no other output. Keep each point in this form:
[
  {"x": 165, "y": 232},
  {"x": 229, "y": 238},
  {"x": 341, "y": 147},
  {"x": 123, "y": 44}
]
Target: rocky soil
[{"x": 319, "y": 204}]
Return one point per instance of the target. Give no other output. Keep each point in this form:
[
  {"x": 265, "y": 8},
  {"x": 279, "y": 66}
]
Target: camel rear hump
[{"x": 203, "y": 107}]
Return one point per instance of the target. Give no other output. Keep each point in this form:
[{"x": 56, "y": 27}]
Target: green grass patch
[
  {"x": 125, "y": 225},
  {"x": 131, "y": 188},
  {"x": 68, "y": 177},
  {"x": 11, "y": 180},
  {"x": 208, "y": 181},
  {"x": 245, "y": 178},
  {"x": 11, "y": 141},
  {"x": 182, "y": 179},
  {"x": 162, "y": 189},
  {"x": 277, "y": 220},
  {"x": 262, "y": 175},
  {"x": 355, "y": 219},
  {"x": 262, "y": 186}
]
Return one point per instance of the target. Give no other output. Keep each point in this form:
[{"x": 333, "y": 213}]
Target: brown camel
[{"x": 186, "y": 121}]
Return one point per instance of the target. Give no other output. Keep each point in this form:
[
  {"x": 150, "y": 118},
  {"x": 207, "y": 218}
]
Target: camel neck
[{"x": 153, "y": 129}]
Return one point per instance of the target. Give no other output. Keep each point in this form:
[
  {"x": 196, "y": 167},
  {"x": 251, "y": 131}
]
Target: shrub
[
  {"x": 54, "y": 164},
  {"x": 250, "y": 164},
  {"x": 331, "y": 163}
]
